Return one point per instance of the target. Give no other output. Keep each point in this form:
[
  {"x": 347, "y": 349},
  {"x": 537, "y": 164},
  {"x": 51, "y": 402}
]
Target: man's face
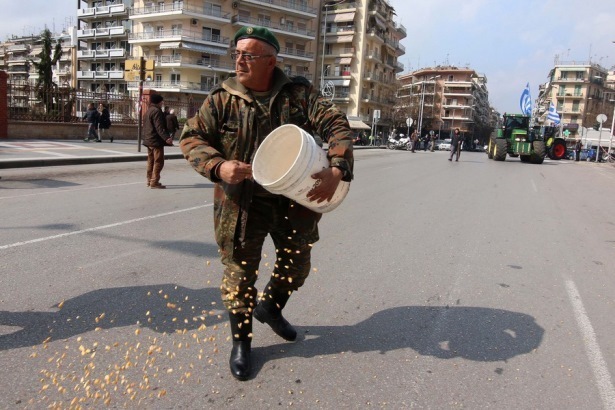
[{"x": 255, "y": 74}]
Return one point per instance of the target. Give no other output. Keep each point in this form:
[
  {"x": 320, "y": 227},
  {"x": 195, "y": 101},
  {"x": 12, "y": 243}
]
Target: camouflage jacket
[{"x": 229, "y": 125}]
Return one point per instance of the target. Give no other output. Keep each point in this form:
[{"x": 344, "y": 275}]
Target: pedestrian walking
[
  {"x": 104, "y": 122},
  {"x": 577, "y": 150},
  {"x": 172, "y": 124},
  {"x": 413, "y": 140},
  {"x": 456, "y": 142},
  {"x": 155, "y": 137},
  {"x": 92, "y": 117},
  {"x": 220, "y": 142}
]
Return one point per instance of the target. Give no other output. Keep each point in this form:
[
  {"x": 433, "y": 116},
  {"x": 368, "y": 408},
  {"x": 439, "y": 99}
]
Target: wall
[{"x": 67, "y": 131}]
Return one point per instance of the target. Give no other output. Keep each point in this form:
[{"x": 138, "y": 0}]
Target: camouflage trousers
[{"x": 266, "y": 216}]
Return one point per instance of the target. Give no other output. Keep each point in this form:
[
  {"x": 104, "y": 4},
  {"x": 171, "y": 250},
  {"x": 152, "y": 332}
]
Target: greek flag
[
  {"x": 526, "y": 101},
  {"x": 553, "y": 115}
]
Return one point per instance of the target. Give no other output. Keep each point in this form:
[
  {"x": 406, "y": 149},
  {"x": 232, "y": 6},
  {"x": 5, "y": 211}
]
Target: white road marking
[
  {"x": 98, "y": 228},
  {"x": 599, "y": 367},
  {"x": 60, "y": 190}
]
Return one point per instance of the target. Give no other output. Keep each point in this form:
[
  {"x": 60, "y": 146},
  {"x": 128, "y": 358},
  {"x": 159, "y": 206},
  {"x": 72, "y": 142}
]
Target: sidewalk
[{"x": 20, "y": 153}]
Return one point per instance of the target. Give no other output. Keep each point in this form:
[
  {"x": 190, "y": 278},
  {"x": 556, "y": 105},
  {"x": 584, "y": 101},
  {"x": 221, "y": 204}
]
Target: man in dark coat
[
  {"x": 105, "y": 122},
  {"x": 155, "y": 137},
  {"x": 456, "y": 142},
  {"x": 92, "y": 116},
  {"x": 220, "y": 142}
]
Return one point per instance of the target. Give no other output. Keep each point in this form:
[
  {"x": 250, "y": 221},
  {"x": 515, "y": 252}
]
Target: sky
[{"x": 511, "y": 42}]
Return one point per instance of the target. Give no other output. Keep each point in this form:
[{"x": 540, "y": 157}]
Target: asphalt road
[{"x": 435, "y": 285}]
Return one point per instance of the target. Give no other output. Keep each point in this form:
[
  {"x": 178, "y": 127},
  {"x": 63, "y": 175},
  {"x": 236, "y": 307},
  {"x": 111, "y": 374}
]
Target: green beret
[{"x": 259, "y": 33}]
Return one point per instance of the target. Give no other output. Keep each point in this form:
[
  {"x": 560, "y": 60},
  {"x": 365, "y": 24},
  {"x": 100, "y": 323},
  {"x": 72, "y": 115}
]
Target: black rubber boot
[
  {"x": 269, "y": 310},
  {"x": 241, "y": 328}
]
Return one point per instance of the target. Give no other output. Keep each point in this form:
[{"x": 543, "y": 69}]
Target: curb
[{"x": 46, "y": 162}]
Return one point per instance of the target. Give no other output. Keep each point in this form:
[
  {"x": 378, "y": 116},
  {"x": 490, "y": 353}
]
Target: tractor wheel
[
  {"x": 558, "y": 150},
  {"x": 490, "y": 148},
  {"x": 499, "y": 152},
  {"x": 540, "y": 151}
]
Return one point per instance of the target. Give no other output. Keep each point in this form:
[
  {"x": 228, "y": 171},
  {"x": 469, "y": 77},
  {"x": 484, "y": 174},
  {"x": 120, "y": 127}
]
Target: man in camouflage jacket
[{"x": 220, "y": 143}]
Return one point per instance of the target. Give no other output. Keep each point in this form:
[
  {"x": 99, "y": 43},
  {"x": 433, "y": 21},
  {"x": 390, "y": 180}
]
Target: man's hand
[
  {"x": 234, "y": 172},
  {"x": 328, "y": 180}
]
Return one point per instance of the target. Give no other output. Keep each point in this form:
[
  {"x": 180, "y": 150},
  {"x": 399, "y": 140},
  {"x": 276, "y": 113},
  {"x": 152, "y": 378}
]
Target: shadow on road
[
  {"x": 472, "y": 333},
  {"x": 162, "y": 308}
]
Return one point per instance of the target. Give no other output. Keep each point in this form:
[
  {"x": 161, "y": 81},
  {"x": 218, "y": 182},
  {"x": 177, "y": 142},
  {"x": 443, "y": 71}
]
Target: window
[
  {"x": 211, "y": 34},
  {"x": 577, "y": 90},
  {"x": 159, "y": 31},
  {"x": 178, "y": 4},
  {"x": 96, "y": 46},
  {"x": 158, "y": 78},
  {"x": 109, "y": 45},
  {"x": 575, "y": 106},
  {"x": 213, "y": 9},
  {"x": 175, "y": 78},
  {"x": 264, "y": 20},
  {"x": 176, "y": 29}
]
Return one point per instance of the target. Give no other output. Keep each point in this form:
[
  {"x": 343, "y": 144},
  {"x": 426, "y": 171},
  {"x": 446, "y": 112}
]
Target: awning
[
  {"x": 358, "y": 125},
  {"x": 340, "y": 39},
  {"x": 340, "y": 83},
  {"x": 204, "y": 48},
  {"x": 345, "y": 60},
  {"x": 340, "y": 17},
  {"x": 170, "y": 44}
]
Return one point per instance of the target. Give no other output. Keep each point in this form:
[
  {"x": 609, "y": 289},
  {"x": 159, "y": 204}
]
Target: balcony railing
[
  {"x": 288, "y": 4},
  {"x": 112, "y": 52},
  {"x": 102, "y": 32},
  {"x": 94, "y": 75},
  {"x": 178, "y": 59},
  {"x": 102, "y": 11},
  {"x": 296, "y": 53},
  {"x": 178, "y": 34},
  {"x": 178, "y": 8},
  {"x": 173, "y": 86},
  {"x": 286, "y": 28}
]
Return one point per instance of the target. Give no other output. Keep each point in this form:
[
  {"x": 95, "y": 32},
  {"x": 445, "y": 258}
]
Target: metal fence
[{"x": 27, "y": 103}]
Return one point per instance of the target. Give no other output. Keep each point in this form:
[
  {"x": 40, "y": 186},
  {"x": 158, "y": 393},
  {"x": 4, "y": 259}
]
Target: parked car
[{"x": 445, "y": 145}]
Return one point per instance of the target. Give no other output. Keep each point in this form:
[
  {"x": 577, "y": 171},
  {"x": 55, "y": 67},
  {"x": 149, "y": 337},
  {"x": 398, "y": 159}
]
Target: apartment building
[
  {"x": 579, "y": 91},
  {"x": 103, "y": 27},
  {"x": 18, "y": 54},
  {"x": 190, "y": 40},
  {"x": 359, "y": 60},
  {"x": 443, "y": 98}
]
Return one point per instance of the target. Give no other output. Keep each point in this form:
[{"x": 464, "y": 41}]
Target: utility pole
[{"x": 140, "y": 111}]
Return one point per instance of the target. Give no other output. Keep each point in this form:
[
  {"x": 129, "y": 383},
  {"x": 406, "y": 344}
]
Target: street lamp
[
  {"x": 326, "y": 5},
  {"x": 420, "y": 124}
]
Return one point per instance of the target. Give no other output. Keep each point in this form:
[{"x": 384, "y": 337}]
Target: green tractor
[{"x": 517, "y": 139}]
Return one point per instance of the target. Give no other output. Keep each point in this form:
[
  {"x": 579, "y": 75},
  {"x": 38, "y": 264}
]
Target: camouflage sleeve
[
  {"x": 199, "y": 137},
  {"x": 332, "y": 125}
]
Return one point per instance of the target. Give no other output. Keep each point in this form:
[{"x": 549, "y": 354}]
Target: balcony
[
  {"x": 108, "y": 53},
  {"x": 294, "y": 53},
  {"x": 286, "y": 29},
  {"x": 570, "y": 80},
  {"x": 100, "y": 75},
  {"x": 175, "y": 35},
  {"x": 185, "y": 61},
  {"x": 101, "y": 32},
  {"x": 102, "y": 11},
  {"x": 374, "y": 34},
  {"x": 374, "y": 56},
  {"x": 174, "y": 11},
  {"x": 18, "y": 47},
  {"x": 172, "y": 86},
  {"x": 286, "y": 6}
]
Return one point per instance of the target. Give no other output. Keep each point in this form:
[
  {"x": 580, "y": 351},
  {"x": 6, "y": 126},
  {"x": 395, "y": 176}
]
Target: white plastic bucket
[{"x": 284, "y": 163}]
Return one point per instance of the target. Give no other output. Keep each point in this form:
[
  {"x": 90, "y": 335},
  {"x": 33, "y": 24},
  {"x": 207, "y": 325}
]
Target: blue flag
[
  {"x": 526, "y": 101},
  {"x": 553, "y": 115}
]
